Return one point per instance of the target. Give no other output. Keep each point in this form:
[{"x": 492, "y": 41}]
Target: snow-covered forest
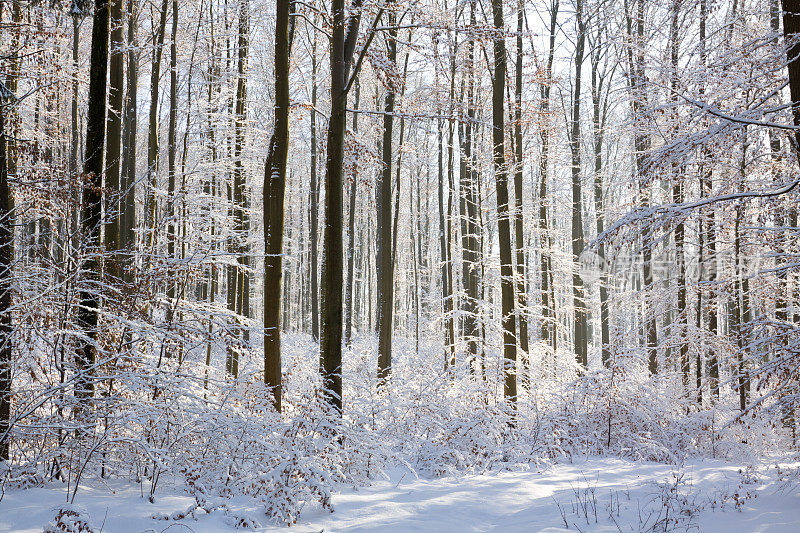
[{"x": 399, "y": 265}]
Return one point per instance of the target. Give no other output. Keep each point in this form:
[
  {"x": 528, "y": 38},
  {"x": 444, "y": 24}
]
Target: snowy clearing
[{"x": 591, "y": 495}]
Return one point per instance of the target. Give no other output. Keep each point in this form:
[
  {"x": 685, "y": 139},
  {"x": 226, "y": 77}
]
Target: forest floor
[{"x": 585, "y": 495}]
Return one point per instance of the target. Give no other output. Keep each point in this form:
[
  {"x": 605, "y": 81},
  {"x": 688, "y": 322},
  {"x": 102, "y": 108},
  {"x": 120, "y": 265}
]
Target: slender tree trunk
[
  {"x": 7, "y": 219},
  {"x": 114, "y": 140},
  {"x": 386, "y": 246},
  {"x": 367, "y": 296},
  {"x": 76, "y": 192},
  {"x": 741, "y": 290},
  {"x": 239, "y": 271},
  {"x": 12, "y": 78},
  {"x": 599, "y": 106},
  {"x": 709, "y": 223},
  {"x": 359, "y": 281},
  {"x": 342, "y": 47},
  {"x": 470, "y": 274},
  {"x": 351, "y": 234},
  {"x": 484, "y": 235},
  {"x": 127, "y": 239},
  {"x": 444, "y": 227},
  {"x": 211, "y": 190},
  {"x": 451, "y": 194},
  {"x": 331, "y": 312},
  {"x": 643, "y": 146},
  {"x": 447, "y": 292},
  {"x": 519, "y": 219},
  {"x": 419, "y": 265},
  {"x": 784, "y": 292},
  {"x": 6, "y": 280},
  {"x": 677, "y": 197},
  {"x": 274, "y": 189},
  {"x": 680, "y": 229},
  {"x": 314, "y": 215},
  {"x": 398, "y": 92},
  {"x": 172, "y": 147},
  {"x": 791, "y": 29},
  {"x": 548, "y": 329},
  {"x": 701, "y": 222},
  {"x": 184, "y": 212},
  {"x": 303, "y": 296},
  {"x": 152, "y": 136},
  {"x": 503, "y": 210},
  {"x": 636, "y": 81},
  {"x": 286, "y": 313},
  {"x": 14, "y": 117},
  {"x": 86, "y": 352},
  {"x": 580, "y": 322}
]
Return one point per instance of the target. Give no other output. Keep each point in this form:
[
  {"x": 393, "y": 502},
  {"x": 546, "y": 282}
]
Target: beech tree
[
  {"x": 93, "y": 172},
  {"x": 343, "y": 72},
  {"x": 503, "y": 211},
  {"x": 274, "y": 190},
  {"x": 386, "y": 233},
  {"x": 6, "y": 278},
  {"x": 580, "y": 320}
]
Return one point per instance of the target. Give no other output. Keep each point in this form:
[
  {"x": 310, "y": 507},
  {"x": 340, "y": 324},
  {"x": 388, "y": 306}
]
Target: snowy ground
[{"x": 594, "y": 495}]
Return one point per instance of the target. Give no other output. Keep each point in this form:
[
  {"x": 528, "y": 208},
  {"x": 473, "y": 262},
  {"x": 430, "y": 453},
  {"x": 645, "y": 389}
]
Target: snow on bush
[
  {"x": 168, "y": 421},
  {"x": 69, "y": 520}
]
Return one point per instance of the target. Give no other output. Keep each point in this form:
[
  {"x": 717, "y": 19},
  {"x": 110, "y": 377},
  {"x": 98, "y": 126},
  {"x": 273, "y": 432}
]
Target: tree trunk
[
  {"x": 86, "y": 352},
  {"x": 127, "y": 239},
  {"x": 419, "y": 265},
  {"x": 636, "y": 80},
  {"x": 450, "y": 195},
  {"x": 642, "y": 147},
  {"x": 393, "y": 55},
  {"x": 548, "y": 329},
  {"x": 444, "y": 225},
  {"x": 741, "y": 290},
  {"x": 342, "y": 47},
  {"x": 7, "y": 219},
  {"x": 444, "y": 258},
  {"x": 386, "y": 246},
  {"x": 172, "y": 147},
  {"x": 351, "y": 234},
  {"x": 470, "y": 275},
  {"x": 709, "y": 223},
  {"x": 580, "y": 322},
  {"x": 274, "y": 188},
  {"x": 6, "y": 280},
  {"x": 239, "y": 274},
  {"x": 680, "y": 230},
  {"x": 12, "y": 79},
  {"x": 152, "y": 135},
  {"x": 113, "y": 141},
  {"x": 599, "y": 107},
  {"x": 314, "y": 215},
  {"x": 211, "y": 189},
  {"x": 503, "y": 210},
  {"x": 791, "y": 29},
  {"x": 519, "y": 219},
  {"x": 784, "y": 292}
]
